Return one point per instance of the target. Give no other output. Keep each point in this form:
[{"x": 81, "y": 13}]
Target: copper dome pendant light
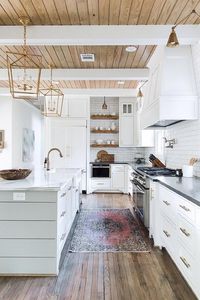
[
  {"x": 53, "y": 100},
  {"x": 24, "y": 70},
  {"x": 173, "y": 40},
  {"x": 104, "y": 106},
  {"x": 140, "y": 93}
]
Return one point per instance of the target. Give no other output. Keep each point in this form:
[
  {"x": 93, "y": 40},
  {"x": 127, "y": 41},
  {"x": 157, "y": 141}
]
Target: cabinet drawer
[
  {"x": 186, "y": 263},
  {"x": 101, "y": 184},
  {"x": 27, "y": 211},
  {"x": 117, "y": 168},
  {"x": 186, "y": 234},
  {"x": 168, "y": 203},
  {"x": 28, "y": 248},
  {"x": 28, "y": 229},
  {"x": 62, "y": 205},
  {"x": 186, "y": 209},
  {"x": 35, "y": 196},
  {"x": 168, "y": 235},
  {"x": 197, "y": 216}
]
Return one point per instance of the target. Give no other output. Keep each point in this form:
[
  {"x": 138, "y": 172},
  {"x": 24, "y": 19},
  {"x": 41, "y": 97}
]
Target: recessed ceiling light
[
  {"x": 55, "y": 82},
  {"x": 121, "y": 82},
  {"x": 131, "y": 48}
]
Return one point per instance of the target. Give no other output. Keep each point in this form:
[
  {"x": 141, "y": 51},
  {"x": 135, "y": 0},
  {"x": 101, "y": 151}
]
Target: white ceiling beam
[
  {"x": 98, "y": 35},
  {"x": 88, "y": 92},
  {"x": 90, "y": 74}
]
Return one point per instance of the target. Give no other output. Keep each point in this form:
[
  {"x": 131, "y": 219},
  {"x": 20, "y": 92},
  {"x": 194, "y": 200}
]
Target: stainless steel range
[
  {"x": 141, "y": 186},
  {"x": 141, "y": 197}
]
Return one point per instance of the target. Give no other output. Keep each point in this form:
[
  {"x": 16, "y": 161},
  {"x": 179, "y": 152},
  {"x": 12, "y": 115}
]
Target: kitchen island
[{"x": 36, "y": 215}]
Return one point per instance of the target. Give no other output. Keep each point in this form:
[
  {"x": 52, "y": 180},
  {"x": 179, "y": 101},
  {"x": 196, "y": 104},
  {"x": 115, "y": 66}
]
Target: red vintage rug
[{"x": 108, "y": 230}]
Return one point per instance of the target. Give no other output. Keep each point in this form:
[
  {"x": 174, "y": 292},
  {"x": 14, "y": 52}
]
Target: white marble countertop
[{"x": 41, "y": 180}]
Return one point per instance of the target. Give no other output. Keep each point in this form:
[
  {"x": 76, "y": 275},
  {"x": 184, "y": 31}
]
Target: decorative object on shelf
[
  {"x": 15, "y": 174},
  {"x": 113, "y": 126},
  {"x": 53, "y": 100},
  {"x": 109, "y": 131},
  {"x": 104, "y": 106},
  {"x": 173, "y": 40},
  {"x": 24, "y": 70},
  {"x": 99, "y": 141},
  {"x": 2, "y": 136},
  {"x": 169, "y": 143},
  {"x": 104, "y": 117}
]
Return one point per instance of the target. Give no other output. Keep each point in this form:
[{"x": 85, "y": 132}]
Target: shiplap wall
[
  {"x": 121, "y": 154},
  {"x": 187, "y": 133}
]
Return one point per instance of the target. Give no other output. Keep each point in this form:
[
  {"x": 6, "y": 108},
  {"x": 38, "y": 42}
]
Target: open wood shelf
[
  {"x": 104, "y": 131},
  {"x": 104, "y": 145},
  {"x": 104, "y": 117}
]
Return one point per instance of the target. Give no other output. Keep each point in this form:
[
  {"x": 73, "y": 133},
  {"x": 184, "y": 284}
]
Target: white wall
[
  {"x": 187, "y": 133},
  {"x": 26, "y": 116},
  {"x": 14, "y": 116},
  {"x": 6, "y": 124}
]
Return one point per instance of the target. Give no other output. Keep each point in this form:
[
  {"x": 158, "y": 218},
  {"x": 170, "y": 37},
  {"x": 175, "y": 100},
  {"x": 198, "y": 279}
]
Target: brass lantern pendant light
[
  {"x": 24, "y": 70},
  {"x": 173, "y": 40},
  {"x": 104, "y": 106},
  {"x": 53, "y": 100}
]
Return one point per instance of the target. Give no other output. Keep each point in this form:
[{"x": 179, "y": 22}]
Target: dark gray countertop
[{"x": 186, "y": 187}]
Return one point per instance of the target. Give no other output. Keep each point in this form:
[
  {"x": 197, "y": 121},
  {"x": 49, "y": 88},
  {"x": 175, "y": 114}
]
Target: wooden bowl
[{"x": 15, "y": 174}]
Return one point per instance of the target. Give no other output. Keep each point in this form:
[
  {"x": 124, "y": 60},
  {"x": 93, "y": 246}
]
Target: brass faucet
[{"x": 47, "y": 161}]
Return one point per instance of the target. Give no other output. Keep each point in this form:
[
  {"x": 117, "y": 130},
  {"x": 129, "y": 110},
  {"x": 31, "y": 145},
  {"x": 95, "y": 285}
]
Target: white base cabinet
[
  {"x": 117, "y": 182},
  {"x": 33, "y": 232},
  {"x": 177, "y": 229}
]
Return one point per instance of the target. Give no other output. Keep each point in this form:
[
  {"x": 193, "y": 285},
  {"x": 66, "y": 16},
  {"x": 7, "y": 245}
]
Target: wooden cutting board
[{"x": 99, "y": 154}]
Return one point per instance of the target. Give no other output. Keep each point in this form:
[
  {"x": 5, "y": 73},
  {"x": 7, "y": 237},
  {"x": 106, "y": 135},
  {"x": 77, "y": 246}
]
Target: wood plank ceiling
[
  {"x": 97, "y": 12},
  {"x": 93, "y": 12}
]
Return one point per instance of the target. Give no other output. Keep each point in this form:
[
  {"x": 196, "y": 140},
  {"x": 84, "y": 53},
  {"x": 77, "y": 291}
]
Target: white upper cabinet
[
  {"x": 171, "y": 93},
  {"x": 130, "y": 133},
  {"x": 126, "y": 122},
  {"x": 76, "y": 107}
]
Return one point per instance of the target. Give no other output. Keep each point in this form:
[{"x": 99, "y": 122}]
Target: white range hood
[{"x": 171, "y": 94}]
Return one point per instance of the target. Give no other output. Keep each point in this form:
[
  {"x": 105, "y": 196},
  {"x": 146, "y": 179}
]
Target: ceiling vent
[{"x": 88, "y": 57}]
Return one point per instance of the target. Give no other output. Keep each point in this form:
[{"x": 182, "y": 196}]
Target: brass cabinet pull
[
  {"x": 185, "y": 262},
  {"x": 62, "y": 237},
  {"x": 167, "y": 203},
  {"x": 63, "y": 213},
  {"x": 184, "y": 231},
  {"x": 184, "y": 207},
  {"x": 63, "y": 195},
  {"x": 166, "y": 233}
]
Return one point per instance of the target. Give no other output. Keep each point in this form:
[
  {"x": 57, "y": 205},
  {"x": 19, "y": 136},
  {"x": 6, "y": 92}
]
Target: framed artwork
[
  {"x": 28, "y": 145},
  {"x": 1, "y": 139}
]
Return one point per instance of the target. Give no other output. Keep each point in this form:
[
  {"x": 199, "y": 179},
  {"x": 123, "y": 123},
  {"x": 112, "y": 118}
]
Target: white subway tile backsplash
[{"x": 121, "y": 154}]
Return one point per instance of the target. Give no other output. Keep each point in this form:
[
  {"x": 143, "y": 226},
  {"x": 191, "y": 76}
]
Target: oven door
[
  {"x": 141, "y": 202},
  {"x": 100, "y": 171}
]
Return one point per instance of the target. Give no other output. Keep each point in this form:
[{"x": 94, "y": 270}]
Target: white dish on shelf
[{"x": 99, "y": 141}]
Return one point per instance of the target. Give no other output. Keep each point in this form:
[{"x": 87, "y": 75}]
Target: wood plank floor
[{"x": 93, "y": 276}]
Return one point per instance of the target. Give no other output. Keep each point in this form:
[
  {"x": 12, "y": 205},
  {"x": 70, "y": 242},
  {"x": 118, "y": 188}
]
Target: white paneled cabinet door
[
  {"x": 118, "y": 177},
  {"x": 75, "y": 107},
  {"x": 126, "y": 132}
]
